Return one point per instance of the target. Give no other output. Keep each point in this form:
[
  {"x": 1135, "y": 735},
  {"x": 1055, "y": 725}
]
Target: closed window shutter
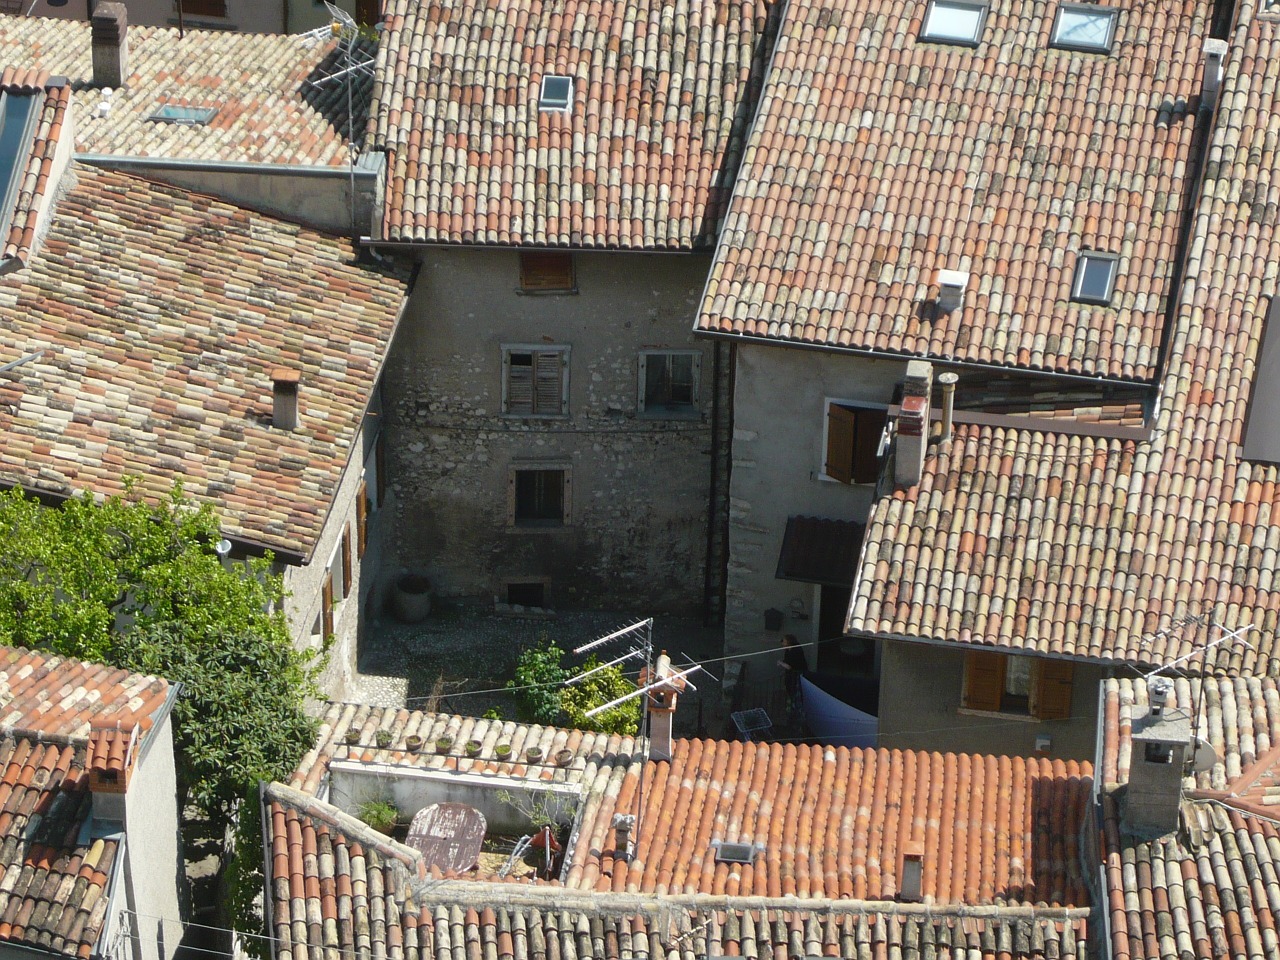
[
  {"x": 520, "y": 383},
  {"x": 326, "y": 606},
  {"x": 866, "y": 446},
  {"x": 1051, "y": 692},
  {"x": 983, "y": 680},
  {"x": 841, "y": 430},
  {"x": 346, "y": 561},
  {"x": 548, "y": 382},
  {"x": 546, "y": 271},
  {"x": 362, "y": 519}
]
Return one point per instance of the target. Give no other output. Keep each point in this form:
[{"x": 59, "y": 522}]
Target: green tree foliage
[{"x": 543, "y": 697}]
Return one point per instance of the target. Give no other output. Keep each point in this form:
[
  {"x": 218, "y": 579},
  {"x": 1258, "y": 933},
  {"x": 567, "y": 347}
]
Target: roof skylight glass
[
  {"x": 557, "y": 93},
  {"x": 954, "y": 21},
  {"x": 191, "y": 116},
  {"x": 1085, "y": 27},
  {"x": 17, "y": 113},
  {"x": 1095, "y": 278}
]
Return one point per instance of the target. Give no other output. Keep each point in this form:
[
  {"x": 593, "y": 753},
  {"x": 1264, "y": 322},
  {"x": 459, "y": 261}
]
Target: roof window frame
[
  {"x": 24, "y": 138},
  {"x": 548, "y": 103},
  {"x": 1111, "y": 13},
  {"x": 982, "y": 7},
  {"x": 1083, "y": 262},
  {"x": 183, "y": 115}
]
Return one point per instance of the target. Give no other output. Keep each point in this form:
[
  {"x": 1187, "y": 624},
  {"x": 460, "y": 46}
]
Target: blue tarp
[{"x": 831, "y": 710}]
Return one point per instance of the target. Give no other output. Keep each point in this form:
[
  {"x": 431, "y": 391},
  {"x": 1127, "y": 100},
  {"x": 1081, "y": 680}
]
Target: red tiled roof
[
  {"x": 269, "y": 110},
  {"x": 644, "y": 159},
  {"x": 161, "y": 315},
  {"x": 878, "y": 159},
  {"x": 33, "y": 188}
]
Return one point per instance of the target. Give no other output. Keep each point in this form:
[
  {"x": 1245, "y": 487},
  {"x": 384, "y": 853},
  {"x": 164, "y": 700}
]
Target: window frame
[
  {"x": 1050, "y": 694},
  {"x": 566, "y": 494},
  {"x": 548, "y": 104},
  {"x": 1083, "y": 260},
  {"x": 562, "y": 351},
  {"x": 1111, "y": 13},
  {"x": 668, "y": 412},
  {"x": 183, "y": 116},
  {"x": 982, "y": 7},
  {"x": 856, "y": 407}
]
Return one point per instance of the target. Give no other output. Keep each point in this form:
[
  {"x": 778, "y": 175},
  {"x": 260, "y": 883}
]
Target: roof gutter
[
  {"x": 226, "y": 166},
  {"x": 523, "y": 247},
  {"x": 965, "y": 645}
]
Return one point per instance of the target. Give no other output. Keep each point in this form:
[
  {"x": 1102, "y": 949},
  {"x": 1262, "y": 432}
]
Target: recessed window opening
[
  {"x": 556, "y": 94},
  {"x": 539, "y": 497},
  {"x": 669, "y": 382},
  {"x": 954, "y": 21},
  {"x": 1085, "y": 27},
  {"x": 1017, "y": 685},
  {"x": 1095, "y": 278},
  {"x": 527, "y": 594},
  {"x": 186, "y": 116}
]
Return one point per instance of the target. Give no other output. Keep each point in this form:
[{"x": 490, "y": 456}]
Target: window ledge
[
  {"x": 565, "y": 292},
  {"x": 534, "y": 416},
  {"x": 1025, "y": 717},
  {"x": 536, "y": 526},
  {"x": 693, "y": 414}
]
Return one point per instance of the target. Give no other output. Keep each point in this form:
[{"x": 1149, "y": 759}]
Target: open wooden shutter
[
  {"x": 326, "y": 606},
  {"x": 346, "y": 561},
  {"x": 546, "y": 271},
  {"x": 869, "y": 428},
  {"x": 519, "y": 382},
  {"x": 841, "y": 430},
  {"x": 983, "y": 680},
  {"x": 362, "y": 519},
  {"x": 548, "y": 395},
  {"x": 1051, "y": 691}
]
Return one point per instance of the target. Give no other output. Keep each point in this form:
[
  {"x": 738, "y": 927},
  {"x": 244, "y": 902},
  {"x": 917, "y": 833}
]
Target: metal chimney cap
[{"x": 948, "y": 379}]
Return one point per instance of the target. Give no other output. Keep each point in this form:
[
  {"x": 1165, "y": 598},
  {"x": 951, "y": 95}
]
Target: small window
[
  {"x": 1095, "y": 278},
  {"x": 557, "y": 93},
  {"x": 527, "y": 594},
  {"x": 188, "y": 116},
  {"x": 1084, "y": 27},
  {"x": 996, "y": 683},
  {"x": 539, "y": 496},
  {"x": 854, "y": 443},
  {"x": 954, "y": 21},
  {"x": 535, "y": 381},
  {"x": 203, "y": 8},
  {"x": 547, "y": 272},
  {"x": 669, "y": 382}
]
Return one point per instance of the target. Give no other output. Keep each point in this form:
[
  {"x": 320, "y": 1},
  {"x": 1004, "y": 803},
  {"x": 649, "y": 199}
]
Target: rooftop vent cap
[
  {"x": 911, "y": 872},
  {"x": 736, "y": 852},
  {"x": 1215, "y": 60},
  {"x": 1159, "y": 690},
  {"x": 556, "y": 95},
  {"x": 951, "y": 285}
]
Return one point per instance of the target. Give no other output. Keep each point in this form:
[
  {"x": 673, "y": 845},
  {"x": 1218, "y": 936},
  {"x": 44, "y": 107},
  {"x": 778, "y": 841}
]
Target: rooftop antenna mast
[{"x": 640, "y": 636}]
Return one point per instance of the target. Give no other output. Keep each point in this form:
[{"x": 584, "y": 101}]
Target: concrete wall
[
  {"x": 155, "y": 877},
  {"x": 920, "y": 693},
  {"x": 246, "y": 16},
  {"x": 778, "y": 429},
  {"x": 637, "y": 530}
]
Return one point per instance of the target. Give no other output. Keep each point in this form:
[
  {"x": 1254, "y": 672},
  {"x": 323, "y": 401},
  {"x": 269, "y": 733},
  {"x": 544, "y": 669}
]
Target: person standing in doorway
[{"x": 793, "y": 664}]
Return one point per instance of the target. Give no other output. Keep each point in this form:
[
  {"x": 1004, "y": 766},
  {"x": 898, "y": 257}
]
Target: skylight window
[
  {"x": 1095, "y": 278},
  {"x": 17, "y": 122},
  {"x": 190, "y": 116},
  {"x": 954, "y": 21},
  {"x": 557, "y": 93},
  {"x": 1084, "y": 27}
]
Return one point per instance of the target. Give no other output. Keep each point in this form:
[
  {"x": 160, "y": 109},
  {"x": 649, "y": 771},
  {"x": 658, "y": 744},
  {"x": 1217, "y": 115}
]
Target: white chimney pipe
[{"x": 948, "y": 381}]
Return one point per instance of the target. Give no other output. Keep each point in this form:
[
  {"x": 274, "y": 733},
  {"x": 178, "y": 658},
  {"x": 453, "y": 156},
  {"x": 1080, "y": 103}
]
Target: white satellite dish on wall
[{"x": 1203, "y": 756}]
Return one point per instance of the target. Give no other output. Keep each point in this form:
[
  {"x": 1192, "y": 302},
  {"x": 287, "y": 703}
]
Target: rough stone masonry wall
[{"x": 637, "y": 532}]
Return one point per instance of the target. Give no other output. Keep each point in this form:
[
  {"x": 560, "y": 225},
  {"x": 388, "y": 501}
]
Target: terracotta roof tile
[
  {"x": 644, "y": 158},
  {"x": 161, "y": 314},
  {"x": 269, "y": 111},
  {"x": 878, "y": 159}
]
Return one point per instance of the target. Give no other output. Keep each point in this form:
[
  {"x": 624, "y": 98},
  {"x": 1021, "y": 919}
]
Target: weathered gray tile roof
[
  {"x": 878, "y": 159},
  {"x": 269, "y": 111},
  {"x": 161, "y": 315},
  {"x": 644, "y": 158}
]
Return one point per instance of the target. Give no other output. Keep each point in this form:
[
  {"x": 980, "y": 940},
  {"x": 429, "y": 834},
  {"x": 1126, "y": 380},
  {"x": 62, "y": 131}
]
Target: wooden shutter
[
  {"x": 841, "y": 430},
  {"x": 983, "y": 680},
  {"x": 548, "y": 393},
  {"x": 1051, "y": 689},
  {"x": 346, "y": 561},
  {"x": 326, "y": 606},
  {"x": 546, "y": 271},
  {"x": 519, "y": 381},
  {"x": 362, "y": 519},
  {"x": 869, "y": 428}
]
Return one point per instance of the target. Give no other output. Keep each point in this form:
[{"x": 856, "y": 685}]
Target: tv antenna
[{"x": 659, "y": 683}]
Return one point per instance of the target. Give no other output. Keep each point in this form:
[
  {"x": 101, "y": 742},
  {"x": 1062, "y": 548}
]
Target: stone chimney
[
  {"x": 284, "y": 398},
  {"x": 1161, "y": 740},
  {"x": 661, "y": 704},
  {"x": 913, "y": 424},
  {"x": 109, "y": 29}
]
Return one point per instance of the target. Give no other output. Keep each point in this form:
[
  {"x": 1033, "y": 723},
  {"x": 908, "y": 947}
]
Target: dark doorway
[
  {"x": 526, "y": 594},
  {"x": 853, "y": 657}
]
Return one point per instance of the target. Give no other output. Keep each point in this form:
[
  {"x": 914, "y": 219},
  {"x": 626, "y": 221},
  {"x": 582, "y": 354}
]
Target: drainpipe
[{"x": 713, "y": 489}]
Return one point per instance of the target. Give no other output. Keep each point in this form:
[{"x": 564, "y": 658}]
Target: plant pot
[
  {"x": 564, "y": 758},
  {"x": 473, "y": 748},
  {"x": 383, "y": 739},
  {"x": 533, "y": 754},
  {"x": 411, "y": 597},
  {"x": 413, "y": 744},
  {"x": 502, "y": 751},
  {"x": 444, "y": 744},
  {"x": 351, "y": 737}
]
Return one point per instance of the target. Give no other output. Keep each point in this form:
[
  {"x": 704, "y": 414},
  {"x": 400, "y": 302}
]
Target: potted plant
[
  {"x": 564, "y": 758},
  {"x": 411, "y": 597},
  {"x": 413, "y": 743},
  {"x": 473, "y": 748},
  {"x": 444, "y": 744},
  {"x": 352, "y": 736},
  {"x": 380, "y": 814},
  {"x": 502, "y": 751},
  {"x": 533, "y": 754},
  {"x": 383, "y": 738}
]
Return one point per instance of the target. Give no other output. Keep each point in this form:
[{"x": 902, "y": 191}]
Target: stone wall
[{"x": 636, "y": 526}]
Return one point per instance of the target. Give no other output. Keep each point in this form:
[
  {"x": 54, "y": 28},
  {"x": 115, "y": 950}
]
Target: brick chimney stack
[
  {"x": 913, "y": 424},
  {"x": 109, "y": 29}
]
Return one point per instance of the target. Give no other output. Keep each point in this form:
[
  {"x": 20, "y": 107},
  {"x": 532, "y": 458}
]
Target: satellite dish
[{"x": 1203, "y": 756}]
